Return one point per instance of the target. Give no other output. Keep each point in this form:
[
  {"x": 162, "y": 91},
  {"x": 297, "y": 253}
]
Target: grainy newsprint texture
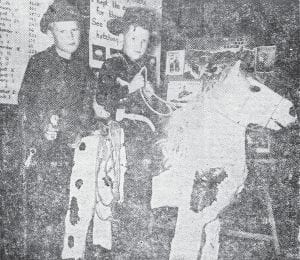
[{"x": 140, "y": 129}]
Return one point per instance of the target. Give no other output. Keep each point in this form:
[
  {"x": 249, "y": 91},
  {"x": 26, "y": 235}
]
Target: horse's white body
[{"x": 210, "y": 133}]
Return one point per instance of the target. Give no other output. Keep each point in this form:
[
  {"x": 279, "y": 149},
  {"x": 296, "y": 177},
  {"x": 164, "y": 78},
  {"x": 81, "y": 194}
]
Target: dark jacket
[
  {"x": 55, "y": 86},
  {"x": 112, "y": 95}
]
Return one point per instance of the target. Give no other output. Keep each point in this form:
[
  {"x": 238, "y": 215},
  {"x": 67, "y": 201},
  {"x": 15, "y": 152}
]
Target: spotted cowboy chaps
[{"x": 96, "y": 184}]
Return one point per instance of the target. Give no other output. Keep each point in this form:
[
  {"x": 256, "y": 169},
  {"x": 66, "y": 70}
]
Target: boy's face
[
  {"x": 66, "y": 35},
  {"x": 136, "y": 41}
]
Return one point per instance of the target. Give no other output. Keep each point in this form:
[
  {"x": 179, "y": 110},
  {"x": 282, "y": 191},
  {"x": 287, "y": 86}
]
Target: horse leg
[
  {"x": 210, "y": 249},
  {"x": 189, "y": 234},
  {"x": 162, "y": 196},
  {"x": 226, "y": 192},
  {"x": 187, "y": 239}
]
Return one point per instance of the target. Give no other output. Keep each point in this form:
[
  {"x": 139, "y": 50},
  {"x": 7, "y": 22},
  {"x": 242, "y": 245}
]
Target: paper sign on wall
[{"x": 20, "y": 38}]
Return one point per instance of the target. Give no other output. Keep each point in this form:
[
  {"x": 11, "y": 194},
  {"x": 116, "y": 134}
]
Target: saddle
[{"x": 205, "y": 188}]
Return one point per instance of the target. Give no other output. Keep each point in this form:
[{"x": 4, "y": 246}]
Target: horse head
[{"x": 246, "y": 100}]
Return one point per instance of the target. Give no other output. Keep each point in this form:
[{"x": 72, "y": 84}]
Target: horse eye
[
  {"x": 293, "y": 111},
  {"x": 254, "y": 88}
]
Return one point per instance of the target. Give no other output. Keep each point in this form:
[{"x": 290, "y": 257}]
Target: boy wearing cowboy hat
[
  {"x": 121, "y": 75},
  {"x": 120, "y": 79},
  {"x": 54, "y": 101}
]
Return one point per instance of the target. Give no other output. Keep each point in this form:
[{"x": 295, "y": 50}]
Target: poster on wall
[
  {"x": 175, "y": 62},
  {"x": 20, "y": 38},
  {"x": 103, "y": 44}
]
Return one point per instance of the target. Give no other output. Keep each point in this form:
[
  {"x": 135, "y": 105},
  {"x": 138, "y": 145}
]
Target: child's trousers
[{"x": 96, "y": 183}]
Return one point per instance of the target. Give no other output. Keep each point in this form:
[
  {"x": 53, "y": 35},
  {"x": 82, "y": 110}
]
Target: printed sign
[{"x": 20, "y": 38}]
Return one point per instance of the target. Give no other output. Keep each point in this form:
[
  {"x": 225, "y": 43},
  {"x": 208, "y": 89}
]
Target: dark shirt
[
  {"x": 53, "y": 85},
  {"x": 112, "y": 95}
]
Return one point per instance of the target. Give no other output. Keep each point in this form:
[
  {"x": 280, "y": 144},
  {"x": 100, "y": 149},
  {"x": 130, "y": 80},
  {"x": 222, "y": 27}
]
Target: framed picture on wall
[
  {"x": 175, "y": 62},
  {"x": 99, "y": 53},
  {"x": 113, "y": 52},
  {"x": 265, "y": 58}
]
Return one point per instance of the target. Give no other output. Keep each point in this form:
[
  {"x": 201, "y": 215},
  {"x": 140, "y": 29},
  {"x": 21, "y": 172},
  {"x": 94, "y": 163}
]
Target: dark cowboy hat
[
  {"x": 139, "y": 16},
  {"x": 59, "y": 11}
]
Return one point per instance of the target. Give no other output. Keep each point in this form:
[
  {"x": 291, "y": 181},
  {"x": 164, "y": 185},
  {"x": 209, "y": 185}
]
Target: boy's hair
[{"x": 146, "y": 18}]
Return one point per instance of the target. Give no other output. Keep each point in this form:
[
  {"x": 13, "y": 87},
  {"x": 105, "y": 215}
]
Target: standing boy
[
  {"x": 54, "y": 101},
  {"x": 120, "y": 79}
]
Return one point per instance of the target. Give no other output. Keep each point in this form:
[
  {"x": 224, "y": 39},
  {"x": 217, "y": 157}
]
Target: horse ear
[{"x": 293, "y": 111}]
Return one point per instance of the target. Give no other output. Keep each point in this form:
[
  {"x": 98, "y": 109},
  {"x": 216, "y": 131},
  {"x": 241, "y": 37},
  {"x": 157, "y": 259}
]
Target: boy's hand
[
  {"x": 99, "y": 110},
  {"x": 148, "y": 90},
  {"x": 51, "y": 132},
  {"x": 137, "y": 82},
  {"x": 52, "y": 128}
]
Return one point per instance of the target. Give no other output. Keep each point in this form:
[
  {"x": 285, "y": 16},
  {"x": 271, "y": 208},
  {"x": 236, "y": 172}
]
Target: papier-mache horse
[{"x": 204, "y": 137}]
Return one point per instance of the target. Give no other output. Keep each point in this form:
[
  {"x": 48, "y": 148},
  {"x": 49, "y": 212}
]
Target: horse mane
[{"x": 187, "y": 121}]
